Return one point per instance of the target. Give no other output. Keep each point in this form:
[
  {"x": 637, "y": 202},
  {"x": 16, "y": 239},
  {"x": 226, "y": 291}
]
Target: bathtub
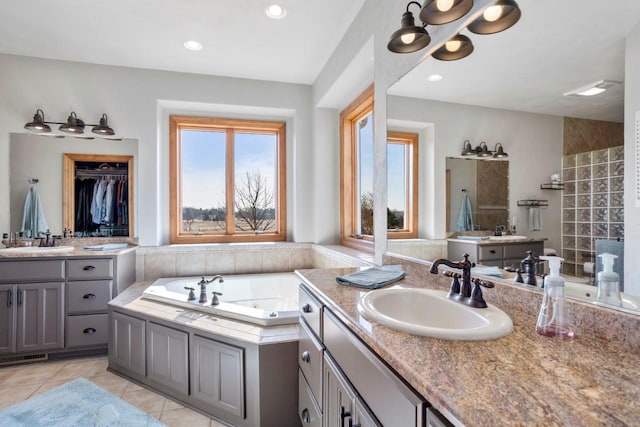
[
  {"x": 262, "y": 299},
  {"x": 587, "y": 292}
]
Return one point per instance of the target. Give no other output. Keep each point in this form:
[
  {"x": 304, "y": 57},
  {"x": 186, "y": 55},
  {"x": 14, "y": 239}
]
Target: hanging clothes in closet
[{"x": 101, "y": 202}]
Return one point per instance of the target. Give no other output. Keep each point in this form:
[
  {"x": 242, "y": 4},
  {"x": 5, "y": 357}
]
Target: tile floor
[{"x": 18, "y": 383}]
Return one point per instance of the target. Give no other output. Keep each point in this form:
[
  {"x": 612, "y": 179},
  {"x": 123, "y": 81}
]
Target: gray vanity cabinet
[
  {"x": 493, "y": 254},
  {"x": 217, "y": 375},
  {"x": 40, "y": 311},
  {"x": 32, "y": 317},
  {"x": 127, "y": 349},
  {"x": 339, "y": 396},
  {"x": 168, "y": 357}
]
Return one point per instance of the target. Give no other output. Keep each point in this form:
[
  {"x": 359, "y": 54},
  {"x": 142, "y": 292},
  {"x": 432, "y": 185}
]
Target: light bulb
[
  {"x": 275, "y": 11},
  {"x": 444, "y": 5},
  {"x": 408, "y": 38},
  {"x": 453, "y": 45},
  {"x": 492, "y": 13}
]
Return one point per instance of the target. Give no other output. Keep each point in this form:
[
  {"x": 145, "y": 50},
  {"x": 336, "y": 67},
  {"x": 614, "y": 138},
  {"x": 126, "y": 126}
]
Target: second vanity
[
  {"x": 521, "y": 379},
  {"x": 55, "y": 304},
  {"x": 498, "y": 253}
]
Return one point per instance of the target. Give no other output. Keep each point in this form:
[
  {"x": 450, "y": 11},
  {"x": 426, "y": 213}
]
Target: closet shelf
[
  {"x": 552, "y": 186},
  {"x": 533, "y": 203}
]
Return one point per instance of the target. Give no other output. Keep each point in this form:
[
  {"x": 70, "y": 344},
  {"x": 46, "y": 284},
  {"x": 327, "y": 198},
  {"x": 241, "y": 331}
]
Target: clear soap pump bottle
[
  {"x": 608, "y": 282},
  {"x": 553, "y": 320}
]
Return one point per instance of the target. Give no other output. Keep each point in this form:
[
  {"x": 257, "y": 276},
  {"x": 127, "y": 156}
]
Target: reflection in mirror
[
  {"x": 485, "y": 184},
  {"x": 515, "y": 95},
  {"x": 47, "y": 167}
]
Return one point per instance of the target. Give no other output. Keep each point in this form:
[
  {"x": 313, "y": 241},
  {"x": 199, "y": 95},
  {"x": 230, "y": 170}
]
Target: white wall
[
  {"x": 631, "y": 210},
  {"x": 533, "y": 142},
  {"x": 136, "y": 101}
]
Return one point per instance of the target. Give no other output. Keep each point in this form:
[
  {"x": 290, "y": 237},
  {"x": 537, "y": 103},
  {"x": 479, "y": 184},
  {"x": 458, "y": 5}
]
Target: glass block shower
[{"x": 592, "y": 204}]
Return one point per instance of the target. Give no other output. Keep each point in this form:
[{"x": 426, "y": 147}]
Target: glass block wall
[{"x": 592, "y": 204}]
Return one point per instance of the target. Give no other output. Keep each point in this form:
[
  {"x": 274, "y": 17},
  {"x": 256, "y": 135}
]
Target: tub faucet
[
  {"x": 463, "y": 293},
  {"x": 203, "y": 286}
]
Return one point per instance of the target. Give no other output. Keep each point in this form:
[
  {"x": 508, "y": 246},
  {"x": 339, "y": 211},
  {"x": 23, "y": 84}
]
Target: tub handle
[
  {"x": 307, "y": 308},
  {"x": 306, "y": 357},
  {"x": 215, "y": 300}
]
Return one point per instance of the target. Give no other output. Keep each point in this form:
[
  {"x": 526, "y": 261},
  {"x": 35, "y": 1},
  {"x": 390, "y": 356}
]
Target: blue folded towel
[
  {"x": 372, "y": 278},
  {"x": 487, "y": 271},
  {"x": 106, "y": 247}
]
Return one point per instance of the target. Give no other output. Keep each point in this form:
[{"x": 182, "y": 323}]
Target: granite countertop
[
  {"x": 491, "y": 241},
  {"x": 76, "y": 252},
  {"x": 522, "y": 379},
  {"x": 131, "y": 301}
]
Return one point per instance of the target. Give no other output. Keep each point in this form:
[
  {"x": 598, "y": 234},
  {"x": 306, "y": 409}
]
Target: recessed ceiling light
[
  {"x": 193, "y": 45},
  {"x": 592, "y": 89},
  {"x": 275, "y": 11},
  {"x": 435, "y": 77}
]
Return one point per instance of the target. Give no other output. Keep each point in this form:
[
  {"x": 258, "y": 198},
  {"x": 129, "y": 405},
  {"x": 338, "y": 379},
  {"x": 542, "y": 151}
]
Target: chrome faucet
[
  {"x": 203, "y": 287},
  {"x": 463, "y": 293}
]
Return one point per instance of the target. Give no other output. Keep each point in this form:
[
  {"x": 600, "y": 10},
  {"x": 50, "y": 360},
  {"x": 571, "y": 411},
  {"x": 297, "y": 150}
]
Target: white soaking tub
[{"x": 263, "y": 299}]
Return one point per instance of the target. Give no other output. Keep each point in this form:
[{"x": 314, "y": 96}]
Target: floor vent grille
[{"x": 22, "y": 359}]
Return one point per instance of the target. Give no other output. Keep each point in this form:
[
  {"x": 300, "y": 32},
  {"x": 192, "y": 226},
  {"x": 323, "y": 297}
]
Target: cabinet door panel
[
  {"x": 218, "y": 375},
  {"x": 309, "y": 413},
  {"x": 363, "y": 416},
  {"x": 339, "y": 397},
  {"x": 127, "y": 343},
  {"x": 168, "y": 357},
  {"x": 8, "y": 305},
  {"x": 40, "y": 324}
]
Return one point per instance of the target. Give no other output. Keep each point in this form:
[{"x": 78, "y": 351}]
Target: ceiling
[
  {"x": 556, "y": 46},
  {"x": 239, "y": 39}
]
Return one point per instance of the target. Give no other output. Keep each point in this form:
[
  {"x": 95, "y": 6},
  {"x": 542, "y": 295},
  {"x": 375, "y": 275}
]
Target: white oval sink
[
  {"x": 36, "y": 250},
  {"x": 507, "y": 237},
  {"x": 430, "y": 313}
]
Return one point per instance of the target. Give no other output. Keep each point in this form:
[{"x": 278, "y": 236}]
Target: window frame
[
  {"x": 411, "y": 141},
  {"x": 361, "y": 106},
  {"x": 177, "y": 123}
]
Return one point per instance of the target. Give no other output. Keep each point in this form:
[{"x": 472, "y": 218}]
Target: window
[
  {"x": 402, "y": 185},
  {"x": 227, "y": 180},
  {"x": 356, "y": 171}
]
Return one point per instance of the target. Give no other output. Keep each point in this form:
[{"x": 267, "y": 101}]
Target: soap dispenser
[
  {"x": 552, "y": 320},
  {"x": 608, "y": 282}
]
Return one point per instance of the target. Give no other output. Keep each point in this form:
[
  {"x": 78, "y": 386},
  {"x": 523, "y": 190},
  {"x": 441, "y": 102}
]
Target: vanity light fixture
[
  {"x": 438, "y": 12},
  {"x": 499, "y": 152},
  {"x": 467, "y": 150},
  {"x": 592, "y": 89},
  {"x": 457, "y": 47},
  {"x": 73, "y": 126},
  {"x": 484, "y": 151},
  {"x": 410, "y": 37},
  {"x": 498, "y": 17}
]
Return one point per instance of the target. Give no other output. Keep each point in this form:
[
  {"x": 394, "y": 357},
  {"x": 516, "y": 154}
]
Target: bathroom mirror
[
  {"x": 41, "y": 157},
  {"x": 485, "y": 183},
  {"x": 510, "y": 90}
]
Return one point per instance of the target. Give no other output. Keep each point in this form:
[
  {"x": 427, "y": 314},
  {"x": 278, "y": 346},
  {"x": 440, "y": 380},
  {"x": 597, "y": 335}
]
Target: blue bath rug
[{"x": 77, "y": 403}]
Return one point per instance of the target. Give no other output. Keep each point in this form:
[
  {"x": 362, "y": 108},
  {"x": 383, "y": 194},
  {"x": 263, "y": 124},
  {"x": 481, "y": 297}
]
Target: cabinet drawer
[
  {"x": 87, "y": 330},
  {"x": 90, "y": 269},
  {"x": 520, "y": 250},
  {"x": 489, "y": 253},
  {"x": 513, "y": 262},
  {"x": 88, "y": 297},
  {"x": 32, "y": 270},
  {"x": 310, "y": 361},
  {"x": 311, "y": 311},
  {"x": 308, "y": 412}
]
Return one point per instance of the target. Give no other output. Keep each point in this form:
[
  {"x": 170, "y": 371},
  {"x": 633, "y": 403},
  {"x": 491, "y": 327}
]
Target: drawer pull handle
[
  {"x": 89, "y": 296},
  {"x": 343, "y": 415},
  {"x": 89, "y": 268},
  {"x": 492, "y": 251},
  {"x": 306, "y": 357},
  {"x": 307, "y": 308},
  {"x": 89, "y": 331},
  {"x": 19, "y": 297},
  {"x": 10, "y": 298},
  {"x": 305, "y": 416}
]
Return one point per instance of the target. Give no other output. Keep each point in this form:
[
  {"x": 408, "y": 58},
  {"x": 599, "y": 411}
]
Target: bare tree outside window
[
  {"x": 366, "y": 214},
  {"x": 254, "y": 203}
]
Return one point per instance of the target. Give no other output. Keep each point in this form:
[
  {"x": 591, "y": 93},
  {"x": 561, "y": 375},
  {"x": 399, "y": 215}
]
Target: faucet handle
[
  {"x": 192, "y": 295},
  {"x": 215, "y": 300},
  {"x": 476, "y": 299}
]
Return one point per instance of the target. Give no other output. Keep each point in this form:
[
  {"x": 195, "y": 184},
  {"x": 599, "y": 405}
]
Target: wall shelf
[
  {"x": 533, "y": 203},
  {"x": 552, "y": 186}
]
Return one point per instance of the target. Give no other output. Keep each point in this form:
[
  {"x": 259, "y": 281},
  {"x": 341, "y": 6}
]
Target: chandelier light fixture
[
  {"x": 72, "y": 127},
  {"x": 410, "y": 37}
]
